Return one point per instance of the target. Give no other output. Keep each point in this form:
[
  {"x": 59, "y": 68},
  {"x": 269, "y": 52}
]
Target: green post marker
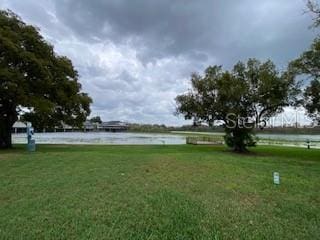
[{"x": 276, "y": 178}]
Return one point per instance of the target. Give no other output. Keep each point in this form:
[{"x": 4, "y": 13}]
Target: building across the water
[
  {"x": 64, "y": 128},
  {"x": 111, "y": 126}
]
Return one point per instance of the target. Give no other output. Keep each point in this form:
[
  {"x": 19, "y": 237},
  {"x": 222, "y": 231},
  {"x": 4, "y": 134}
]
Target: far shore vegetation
[{"x": 160, "y": 128}]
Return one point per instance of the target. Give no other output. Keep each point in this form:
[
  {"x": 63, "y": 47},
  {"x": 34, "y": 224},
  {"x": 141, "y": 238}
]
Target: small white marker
[{"x": 276, "y": 178}]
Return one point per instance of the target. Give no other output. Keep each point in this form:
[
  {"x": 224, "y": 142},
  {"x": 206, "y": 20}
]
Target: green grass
[{"x": 158, "y": 192}]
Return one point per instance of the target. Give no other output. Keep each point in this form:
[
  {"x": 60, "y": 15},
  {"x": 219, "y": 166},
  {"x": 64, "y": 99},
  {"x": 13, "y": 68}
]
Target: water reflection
[{"x": 102, "y": 138}]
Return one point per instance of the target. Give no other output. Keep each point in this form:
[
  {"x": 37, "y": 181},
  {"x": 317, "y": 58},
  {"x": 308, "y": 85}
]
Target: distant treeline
[
  {"x": 155, "y": 128},
  {"x": 161, "y": 128},
  {"x": 290, "y": 130}
]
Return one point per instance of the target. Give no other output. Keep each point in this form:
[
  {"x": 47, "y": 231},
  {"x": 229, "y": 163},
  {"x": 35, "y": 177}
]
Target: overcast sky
[{"x": 135, "y": 56}]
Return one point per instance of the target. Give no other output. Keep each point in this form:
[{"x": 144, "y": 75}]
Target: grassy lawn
[{"x": 158, "y": 192}]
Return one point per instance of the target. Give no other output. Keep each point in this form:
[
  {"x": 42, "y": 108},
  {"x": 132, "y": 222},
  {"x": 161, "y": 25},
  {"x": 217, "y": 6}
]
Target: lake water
[{"x": 125, "y": 138}]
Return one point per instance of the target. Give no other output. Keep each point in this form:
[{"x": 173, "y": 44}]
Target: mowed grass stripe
[{"x": 158, "y": 192}]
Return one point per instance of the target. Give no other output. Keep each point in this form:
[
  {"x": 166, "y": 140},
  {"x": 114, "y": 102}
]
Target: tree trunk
[
  {"x": 5, "y": 131},
  {"x": 5, "y": 137},
  {"x": 239, "y": 142},
  {"x": 240, "y": 148},
  {"x": 239, "y": 139}
]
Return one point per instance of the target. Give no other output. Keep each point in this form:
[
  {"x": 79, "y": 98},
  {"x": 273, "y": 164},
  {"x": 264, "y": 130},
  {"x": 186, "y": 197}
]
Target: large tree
[
  {"x": 36, "y": 83},
  {"x": 242, "y": 99}
]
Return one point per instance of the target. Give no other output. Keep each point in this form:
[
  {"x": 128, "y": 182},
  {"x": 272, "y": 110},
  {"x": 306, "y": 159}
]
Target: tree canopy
[
  {"x": 36, "y": 83},
  {"x": 96, "y": 119},
  {"x": 243, "y": 98},
  {"x": 307, "y": 66},
  {"x": 314, "y": 8}
]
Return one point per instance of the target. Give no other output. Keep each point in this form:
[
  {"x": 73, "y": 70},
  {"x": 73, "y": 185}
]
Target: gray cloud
[
  {"x": 134, "y": 57},
  {"x": 227, "y": 30}
]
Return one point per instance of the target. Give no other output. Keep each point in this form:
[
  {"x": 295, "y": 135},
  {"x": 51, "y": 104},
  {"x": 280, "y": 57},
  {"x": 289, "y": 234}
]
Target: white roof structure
[{"x": 19, "y": 124}]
